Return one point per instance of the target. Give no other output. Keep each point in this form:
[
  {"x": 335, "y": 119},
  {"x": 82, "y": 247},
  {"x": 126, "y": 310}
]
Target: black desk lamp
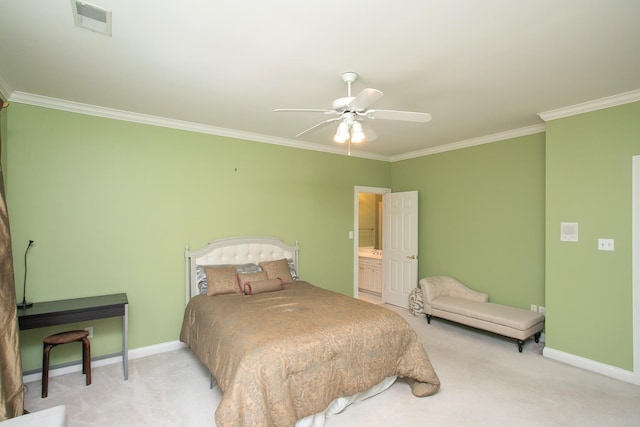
[{"x": 24, "y": 303}]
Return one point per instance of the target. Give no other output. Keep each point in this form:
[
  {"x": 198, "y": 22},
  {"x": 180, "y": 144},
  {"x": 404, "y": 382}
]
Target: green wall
[
  {"x": 482, "y": 216},
  {"x": 112, "y": 204},
  {"x": 588, "y": 177}
]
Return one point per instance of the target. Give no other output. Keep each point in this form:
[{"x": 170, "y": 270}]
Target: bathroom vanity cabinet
[{"x": 370, "y": 274}]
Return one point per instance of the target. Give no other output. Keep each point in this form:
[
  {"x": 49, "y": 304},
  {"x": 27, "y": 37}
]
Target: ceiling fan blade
[
  {"x": 369, "y": 134},
  {"x": 319, "y": 125},
  {"x": 364, "y": 99},
  {"x": 304, "y": 110},
  {"x": 407, "y": 116}
]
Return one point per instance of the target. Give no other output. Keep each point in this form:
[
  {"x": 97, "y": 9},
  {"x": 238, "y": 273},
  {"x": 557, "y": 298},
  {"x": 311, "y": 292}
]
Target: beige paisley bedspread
[{"x": 280, "y": 356}]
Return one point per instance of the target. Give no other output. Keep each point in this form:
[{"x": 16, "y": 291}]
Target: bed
[{"x": 282, "y": 350}]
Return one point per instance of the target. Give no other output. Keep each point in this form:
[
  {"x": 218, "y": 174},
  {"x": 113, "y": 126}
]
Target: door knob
[{"x": 412, "y": 257}]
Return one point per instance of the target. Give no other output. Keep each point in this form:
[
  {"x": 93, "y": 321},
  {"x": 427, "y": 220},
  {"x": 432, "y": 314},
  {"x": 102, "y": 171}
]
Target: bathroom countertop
[{"x": 370, "y": 253}]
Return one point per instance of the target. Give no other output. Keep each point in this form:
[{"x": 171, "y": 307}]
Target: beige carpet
[{"x": 485, "y": 382}]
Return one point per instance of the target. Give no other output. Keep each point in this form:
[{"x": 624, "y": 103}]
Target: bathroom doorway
[{"x": 368, "y": 243}]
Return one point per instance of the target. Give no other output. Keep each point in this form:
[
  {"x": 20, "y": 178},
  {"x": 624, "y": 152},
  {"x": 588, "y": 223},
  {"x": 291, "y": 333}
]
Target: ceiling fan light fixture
[
  {"x": 342, "y": 134},
  {"x": 357, "y": 134}
]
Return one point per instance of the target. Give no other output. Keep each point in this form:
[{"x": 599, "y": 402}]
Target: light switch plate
[{"x": 568, "y": 231}]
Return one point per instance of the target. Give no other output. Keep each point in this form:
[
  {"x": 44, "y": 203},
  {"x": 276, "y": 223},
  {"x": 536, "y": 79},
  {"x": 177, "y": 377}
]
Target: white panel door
[{"x": 400, "y": 246}]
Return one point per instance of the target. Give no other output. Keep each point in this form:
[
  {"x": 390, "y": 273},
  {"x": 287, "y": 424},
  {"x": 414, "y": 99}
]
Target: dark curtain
[{"x": 11, "y": 391}]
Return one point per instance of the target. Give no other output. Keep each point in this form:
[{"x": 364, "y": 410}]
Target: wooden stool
[{"x": 65, "y": 338}]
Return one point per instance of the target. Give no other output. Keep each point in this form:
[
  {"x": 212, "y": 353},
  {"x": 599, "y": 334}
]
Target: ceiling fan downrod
[{"x": 348, "y": 78}]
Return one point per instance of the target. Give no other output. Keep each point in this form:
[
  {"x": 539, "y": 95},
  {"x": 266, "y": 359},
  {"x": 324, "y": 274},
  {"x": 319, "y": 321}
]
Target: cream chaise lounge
[{"x": 449, "y": 299}]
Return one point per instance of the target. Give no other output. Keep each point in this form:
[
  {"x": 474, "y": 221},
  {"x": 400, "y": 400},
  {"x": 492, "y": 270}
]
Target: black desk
[{"x": 50, "y": 313}]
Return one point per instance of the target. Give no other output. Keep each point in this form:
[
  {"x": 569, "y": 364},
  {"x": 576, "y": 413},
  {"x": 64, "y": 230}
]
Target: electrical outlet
[
  {"x": 542, "y": 310},
  {"x": 606, "y": 244},
  {"x": 534, "y": 307},
  {"x": 90, "y": 329}
]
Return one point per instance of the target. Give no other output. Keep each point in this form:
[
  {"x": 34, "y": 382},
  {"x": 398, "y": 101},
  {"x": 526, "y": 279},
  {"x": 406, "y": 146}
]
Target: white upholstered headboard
[{"x": 235, "y": 250}]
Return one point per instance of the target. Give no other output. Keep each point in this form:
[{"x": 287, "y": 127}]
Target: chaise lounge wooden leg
[
  {"x": 428, "y": 319},
  {"x": 520, "y": 345},
  {"x": 536, "y": 337}
]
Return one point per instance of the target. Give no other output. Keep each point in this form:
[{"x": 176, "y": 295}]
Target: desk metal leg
[{"x": 125, "y": 342}]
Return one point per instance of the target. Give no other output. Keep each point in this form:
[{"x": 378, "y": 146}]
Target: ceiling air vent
[{"x": 90, "y": 17}]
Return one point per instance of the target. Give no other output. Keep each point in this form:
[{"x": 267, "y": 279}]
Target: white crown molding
[
  {"x": 5, "y": 89},
  {"x": 586, "y": 107},
  {"x": 80, "y": 108},
  {"x": 514, "y": 133},
  {"x": 110, "y": 113},
  {"x": 76, "y": 107}
]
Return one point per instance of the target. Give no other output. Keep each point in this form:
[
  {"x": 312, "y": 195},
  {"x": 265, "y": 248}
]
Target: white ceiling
[{"x": 478, "y": 67}]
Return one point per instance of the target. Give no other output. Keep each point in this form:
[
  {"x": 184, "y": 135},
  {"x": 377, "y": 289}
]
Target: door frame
[
  {"x": 635, "y": 265},
  {"x": 356, "y": 225}
]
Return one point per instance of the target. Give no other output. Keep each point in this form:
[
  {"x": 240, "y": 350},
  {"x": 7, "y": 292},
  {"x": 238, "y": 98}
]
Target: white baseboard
[
  {"x": 589, "y": 365},
  {"x": 136, "y": 353}
]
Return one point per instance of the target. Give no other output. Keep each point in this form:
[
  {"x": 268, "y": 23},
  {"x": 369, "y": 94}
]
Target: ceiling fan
[{"x": 352, "y": 111}]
